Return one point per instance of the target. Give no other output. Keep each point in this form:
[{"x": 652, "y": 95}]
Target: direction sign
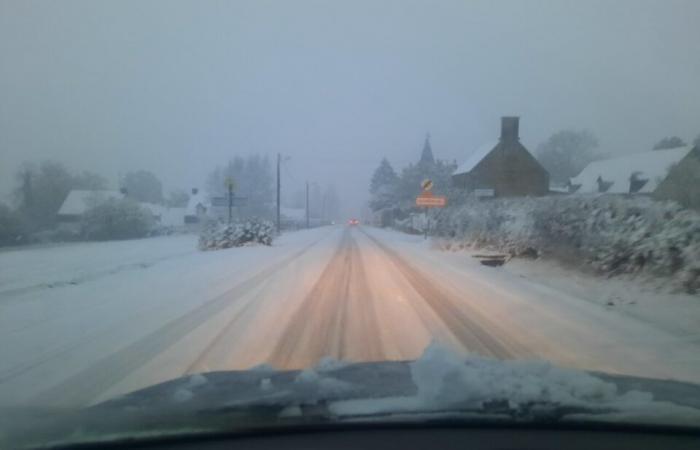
[
  {"x": 223, "y": 201},
  {"x": 427, "y": 184},
  {"x": 428, "y": 200},
  {"x": 484, "y": 192}
]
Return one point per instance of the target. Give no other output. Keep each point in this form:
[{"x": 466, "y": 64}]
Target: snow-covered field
[
  {"x": 62, "y": 308},
  {"x": 81, "y": 323}
]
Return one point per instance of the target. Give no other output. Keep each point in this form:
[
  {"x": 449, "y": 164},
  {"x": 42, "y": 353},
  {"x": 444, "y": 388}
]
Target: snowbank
[
  {"x": 612, "y": 234},
  {"x": 216, "y": 236}
]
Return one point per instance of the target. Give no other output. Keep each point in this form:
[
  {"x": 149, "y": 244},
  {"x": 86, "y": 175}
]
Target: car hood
[{"x": 439, "y": 385}]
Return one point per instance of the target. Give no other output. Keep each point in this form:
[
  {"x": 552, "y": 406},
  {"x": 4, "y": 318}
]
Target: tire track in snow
[
  {"x": 326, "y": 322},
  {"x": 465, "y": 327},
  {"x": 8, "y": 294},
  {"x": 89, "y": 383}
]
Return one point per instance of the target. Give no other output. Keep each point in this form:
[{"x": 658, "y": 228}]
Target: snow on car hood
[
  {"x": 439, "y": 383},
  {"x": 446, "y": 381},
  {"x": 440, "y": 380}
]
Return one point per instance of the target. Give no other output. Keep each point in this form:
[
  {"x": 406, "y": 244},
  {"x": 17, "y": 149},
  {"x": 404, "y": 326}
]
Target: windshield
[{"x": 488, "y": 205}]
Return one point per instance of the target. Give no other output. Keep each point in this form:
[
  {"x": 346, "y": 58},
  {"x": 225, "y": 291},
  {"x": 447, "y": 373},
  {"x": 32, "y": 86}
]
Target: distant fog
[{"x": 181, "y": 87}]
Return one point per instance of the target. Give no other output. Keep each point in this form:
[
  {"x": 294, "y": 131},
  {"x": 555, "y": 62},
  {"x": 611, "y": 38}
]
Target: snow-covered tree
[
  {"x": 426, "y": 156},
  {"x": 143, "y": 186},
  {"x": 566, "y": 153},
  {"x": 208, "y": 235},
  {"x": 383, "y": 186},
  {"x": 669, "y": 142},
  {"x": 42, "y": 189},
  {"x": 13, "y": 228},
  {"x": 251, "y": 231},
  {"x": 409, "y": 185},
  {"x": 117, "y": 219},
  {"x": 252, "y": 178},
  {"x": 177, "y": 198}
]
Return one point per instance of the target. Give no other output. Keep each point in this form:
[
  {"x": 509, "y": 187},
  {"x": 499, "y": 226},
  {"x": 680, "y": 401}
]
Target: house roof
[
  {"x": 476, "y": 157},
  {"x": 78, "y": 201},
  {"x": 196, "y": 199},
  {"x": 652, "y": 165}
]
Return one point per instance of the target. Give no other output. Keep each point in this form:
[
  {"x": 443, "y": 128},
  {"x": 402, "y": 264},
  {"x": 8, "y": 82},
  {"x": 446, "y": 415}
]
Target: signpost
[
  {"x": 482, "y": 193},
  {"x": 222, "y": 202},
  {"x": 427, "y": 199},
  {"x": 230, "y": 184}
]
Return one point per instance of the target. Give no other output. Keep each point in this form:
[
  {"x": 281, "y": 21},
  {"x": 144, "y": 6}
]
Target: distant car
[{"x": 353, "y": 222}]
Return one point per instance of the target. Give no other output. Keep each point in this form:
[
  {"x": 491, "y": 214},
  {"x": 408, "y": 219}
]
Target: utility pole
[
  {"x": 279, "y": 228},
  {"x": 307, "y": 204}
]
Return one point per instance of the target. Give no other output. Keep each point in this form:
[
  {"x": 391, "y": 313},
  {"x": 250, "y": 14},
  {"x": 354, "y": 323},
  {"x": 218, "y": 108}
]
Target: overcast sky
[{"x": 178, "y": 87}]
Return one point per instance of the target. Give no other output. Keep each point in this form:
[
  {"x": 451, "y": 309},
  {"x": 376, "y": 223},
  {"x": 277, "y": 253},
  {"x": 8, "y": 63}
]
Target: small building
[
  {"x": 636, "y": 173},
  {"x": 503, "y": 168},
  {"x": 79, "y": 200},
  {"x": 197, "y": 207}
]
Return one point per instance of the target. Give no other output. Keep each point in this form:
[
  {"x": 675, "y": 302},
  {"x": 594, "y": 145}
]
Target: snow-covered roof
[
  {"x": 652, "y": 165},
  {"x": 476, "y": 157},
  {"x": 78, "y": 201},
  {"x": 197, "y": 199}
]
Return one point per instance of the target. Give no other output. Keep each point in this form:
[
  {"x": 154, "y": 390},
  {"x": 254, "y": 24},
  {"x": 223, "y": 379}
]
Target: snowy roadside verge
[
  {"x": 646, "y": 299},
  {"x": 611, "y": 235}
]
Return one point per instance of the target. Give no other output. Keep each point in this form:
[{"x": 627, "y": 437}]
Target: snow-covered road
[{"x": 85, "y": 322}]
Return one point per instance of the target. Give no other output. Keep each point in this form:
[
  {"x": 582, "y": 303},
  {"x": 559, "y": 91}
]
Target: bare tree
[
  {"x": 143, "y": 186},
  {"x": 566, "y": 153},
  {"x": 669, "y": 142}
]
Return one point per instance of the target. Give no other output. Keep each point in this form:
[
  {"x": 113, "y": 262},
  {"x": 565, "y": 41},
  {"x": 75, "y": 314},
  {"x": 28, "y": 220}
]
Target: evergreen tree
[
  {"x": 383, "y": 186},
  {"x": 409, "y": 186},
  {"x": 426, "y": 157},
  {"x": 42, "y": 189}
]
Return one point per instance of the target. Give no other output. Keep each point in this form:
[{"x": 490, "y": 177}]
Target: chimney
[
  {"x": 194, "y": 191},
  {"x": 509, "y": 128}
]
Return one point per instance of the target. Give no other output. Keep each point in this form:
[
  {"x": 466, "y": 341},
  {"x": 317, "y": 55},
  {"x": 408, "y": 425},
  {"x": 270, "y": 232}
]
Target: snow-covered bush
[
  {"x": 613, "y": 234},
  {"x": 116, "y": 219},
  {"x": 13, "y": 227},
  {"x": 216, "y": 236}
]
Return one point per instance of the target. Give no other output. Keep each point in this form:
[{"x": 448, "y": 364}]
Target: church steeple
[{"x": 426, "y": 156}]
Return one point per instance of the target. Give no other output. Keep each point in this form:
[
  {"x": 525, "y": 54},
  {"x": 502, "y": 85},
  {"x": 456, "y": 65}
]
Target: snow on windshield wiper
[{"x": 439, "y": 383}]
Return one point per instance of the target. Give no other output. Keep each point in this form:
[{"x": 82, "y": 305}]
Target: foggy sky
[{"x": 178, "y": 87}]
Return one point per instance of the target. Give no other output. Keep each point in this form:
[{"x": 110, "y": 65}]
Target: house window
[{"x": 637, "y": 182}]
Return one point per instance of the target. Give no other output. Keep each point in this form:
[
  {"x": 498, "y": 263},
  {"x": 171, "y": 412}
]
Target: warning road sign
[{"x": 428, "y": 200}]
